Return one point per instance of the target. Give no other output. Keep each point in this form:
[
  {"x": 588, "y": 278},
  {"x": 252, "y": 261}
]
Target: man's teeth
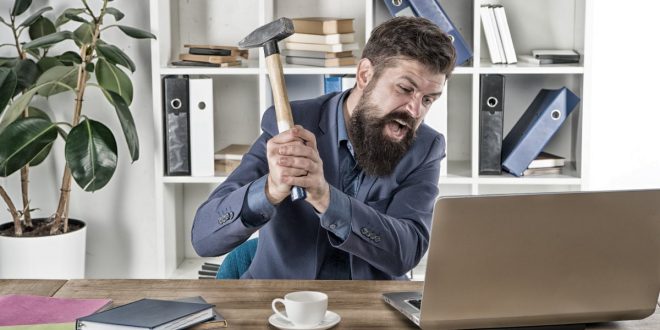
[{"x": 400, "y": 122}]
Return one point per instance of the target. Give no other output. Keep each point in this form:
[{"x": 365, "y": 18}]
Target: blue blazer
[{"x": 391, "y": 216}]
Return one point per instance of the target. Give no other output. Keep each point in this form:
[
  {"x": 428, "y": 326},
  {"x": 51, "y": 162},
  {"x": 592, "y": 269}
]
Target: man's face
[{"x": 391, "y": 108}]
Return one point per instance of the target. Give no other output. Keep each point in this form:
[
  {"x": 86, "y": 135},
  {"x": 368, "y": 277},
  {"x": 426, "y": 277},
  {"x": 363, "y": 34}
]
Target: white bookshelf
[{"x": 243, "y": 93}]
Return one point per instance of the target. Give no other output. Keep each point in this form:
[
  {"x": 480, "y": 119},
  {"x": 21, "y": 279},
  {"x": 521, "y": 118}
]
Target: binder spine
[
  {"x": 176, "y": 124},
  {"x": 399, "y": 8},
  {"x": 491, "y": 119},
  {"x": 201, "y": 127}
]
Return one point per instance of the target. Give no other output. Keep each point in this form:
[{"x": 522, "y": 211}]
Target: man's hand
[{"x": 293, "y": 160}]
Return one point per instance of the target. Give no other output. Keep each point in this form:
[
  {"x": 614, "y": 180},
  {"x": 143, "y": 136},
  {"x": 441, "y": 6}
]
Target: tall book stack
[
  {"x": 211, "y": 56},
  {"x": 321, "y": 41}
]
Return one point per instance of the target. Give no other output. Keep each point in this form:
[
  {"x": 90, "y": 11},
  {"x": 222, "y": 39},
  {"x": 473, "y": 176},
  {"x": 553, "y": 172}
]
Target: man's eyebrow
[{"x": 412, "y": 82}]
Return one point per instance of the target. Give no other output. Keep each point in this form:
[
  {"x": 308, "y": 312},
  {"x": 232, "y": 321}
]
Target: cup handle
[{"x": 279, "y": 300}]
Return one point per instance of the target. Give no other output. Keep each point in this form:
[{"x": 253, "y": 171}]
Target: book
[
  {"x": 321, "y": 47},
  {"x": 322, "y": 25},
  {"x": 491, "y": 121},
  {"x": 540, "y": 61},
  {"x": 337, "y": 38},
  {"x": 543, "y": 171},
  {"x": 30, "y": 309},
  {"x": 436, "y": 14},
  {"x": 219, "y": 50},
  {"x": 193, "y": 63},
  {"x": 228, "y": 158},
  {"x": 545, "y": 159},
  {"x": 209, "y": 58},
  {"x": 498, "y": 36},
  {"x": 536, "y": 127},
  {"x": 148, "y": 314},
  {"x": 315, "y": 54},
  {"x": 327, "y": 62},
  {"x": 565, "y": 54},
  {"x": 176, "y": 123},
  {"x": 331, "y": 84},
  {"x": 218, "y": 321},
  {"x": 201, "y": 126},
  {"x": 505, "y": 34},
  {"x": 489, "y": 32}
]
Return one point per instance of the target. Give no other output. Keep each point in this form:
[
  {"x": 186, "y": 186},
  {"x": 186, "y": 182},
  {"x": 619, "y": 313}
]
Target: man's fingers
[
  {"x": 285, "y": 137},
  {"x": 307, "y": 136},
  {"x": 289, "y": 171},
  {"x": 298, "y": 163}
]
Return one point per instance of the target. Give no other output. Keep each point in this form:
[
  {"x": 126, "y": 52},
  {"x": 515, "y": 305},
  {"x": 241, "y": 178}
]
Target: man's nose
[{"x": 414, "y": 106}]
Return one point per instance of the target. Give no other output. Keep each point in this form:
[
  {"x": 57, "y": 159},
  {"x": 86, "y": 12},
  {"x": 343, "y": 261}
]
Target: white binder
[{"x": 201, "y": 126}]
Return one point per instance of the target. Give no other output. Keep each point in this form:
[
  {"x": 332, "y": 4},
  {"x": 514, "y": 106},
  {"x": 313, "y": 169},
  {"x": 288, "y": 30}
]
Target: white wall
[
  {"x": 625, "y": 107},
  {"x": 121, "y": 241}
]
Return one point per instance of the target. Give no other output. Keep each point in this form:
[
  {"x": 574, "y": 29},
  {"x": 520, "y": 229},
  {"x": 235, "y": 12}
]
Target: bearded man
[{"x": 368, "y": 162}]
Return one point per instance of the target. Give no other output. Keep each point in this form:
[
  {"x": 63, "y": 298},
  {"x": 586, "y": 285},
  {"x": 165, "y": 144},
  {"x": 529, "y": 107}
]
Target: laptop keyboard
[{"x": 416, "y": 303}]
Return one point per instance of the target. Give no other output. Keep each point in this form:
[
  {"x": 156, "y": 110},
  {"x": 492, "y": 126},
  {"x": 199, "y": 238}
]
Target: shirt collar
[{"x": 342, "y": 133}]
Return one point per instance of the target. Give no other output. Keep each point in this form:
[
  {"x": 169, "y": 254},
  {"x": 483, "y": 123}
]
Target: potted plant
[{"x": 27, "y": 134}]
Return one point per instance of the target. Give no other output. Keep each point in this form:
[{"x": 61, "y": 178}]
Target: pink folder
[{"x": 27, "y": 309}]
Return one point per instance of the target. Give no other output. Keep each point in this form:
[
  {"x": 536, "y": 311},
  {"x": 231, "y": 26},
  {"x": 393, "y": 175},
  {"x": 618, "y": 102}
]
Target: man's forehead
[{"x": 417, "y": 72}]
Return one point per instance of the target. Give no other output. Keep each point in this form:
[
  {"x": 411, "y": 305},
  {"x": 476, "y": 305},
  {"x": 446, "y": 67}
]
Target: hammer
[{"x": 267, "y": 37}]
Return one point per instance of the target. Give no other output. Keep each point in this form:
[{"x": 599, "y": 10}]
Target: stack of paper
[{"x": 321, "y": 41}]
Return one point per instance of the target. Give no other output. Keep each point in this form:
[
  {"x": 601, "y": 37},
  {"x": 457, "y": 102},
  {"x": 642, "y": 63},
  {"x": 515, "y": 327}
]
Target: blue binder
[
  {"x": 331, "y": 84},
  {"x": 432, "y": 10},
  {"x": 534, "y": 129},
  {"x": 399, "y": 8}
]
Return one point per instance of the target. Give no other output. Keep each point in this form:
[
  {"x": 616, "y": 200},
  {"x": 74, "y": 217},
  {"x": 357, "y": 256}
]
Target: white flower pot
[{"x": 48, "y": 257}]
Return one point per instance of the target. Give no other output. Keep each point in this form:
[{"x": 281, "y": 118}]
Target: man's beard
[{"x": 375, "y": 152}]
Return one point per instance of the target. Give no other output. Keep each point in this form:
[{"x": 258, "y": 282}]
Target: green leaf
[
  {"x": 34, "y": 52},
  {"x": 69, "y": 58},
  {"x": 115, "y": 55},
  {"x": 62, "y": 19},
  {"x": 33, "y": 18},
  {"x": 75, "y": 17},
  {"x": 89, "y": 67},
  {"x": 91, "y": 154},
  {"x": 41, "y": 27},
  {"x": 20, "y": 6},
  {"x": 112, "y": 78},
  {"x": 23, "y": 141},
  {"x": 46, "y": 63},
  {"x": 38, "y": 113},
  {"x": 84, "y": 34},
  {"x": 27, "y": 73},
  {"x": 135, "y": 32},
  {"x": 16, "y": 109},
  {"x": 49, "y": 40},
  {"x": 127, "y": 124},
  {"x": 8, "y": 62},
  {"x": 8, "y": 83},
  {"x": 67, "y": 76},
  {"x": 115, "y": 12}
]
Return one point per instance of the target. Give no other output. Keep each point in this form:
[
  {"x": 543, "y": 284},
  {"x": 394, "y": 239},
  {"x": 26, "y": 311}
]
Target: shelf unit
[{"x": 243, "y": 93}]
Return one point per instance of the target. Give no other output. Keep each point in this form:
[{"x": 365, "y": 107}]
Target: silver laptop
[{"x": 541, "y": 259}]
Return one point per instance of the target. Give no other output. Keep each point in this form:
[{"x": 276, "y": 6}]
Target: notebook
[{"x": 539, "y": 260}]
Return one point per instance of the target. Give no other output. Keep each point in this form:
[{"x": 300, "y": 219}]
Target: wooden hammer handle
[{"x": 282, "y": 106}]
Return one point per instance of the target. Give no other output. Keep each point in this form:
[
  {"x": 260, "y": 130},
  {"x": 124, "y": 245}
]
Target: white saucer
[{"x": 330, "y": 320}]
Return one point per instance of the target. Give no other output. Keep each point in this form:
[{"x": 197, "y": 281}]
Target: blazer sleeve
[
  {"x": 218, "y": 226},
  {"x": 393, "y": 234}
]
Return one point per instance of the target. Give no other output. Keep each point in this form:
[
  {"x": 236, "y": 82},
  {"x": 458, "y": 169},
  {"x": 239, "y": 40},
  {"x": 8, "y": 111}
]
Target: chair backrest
[{"x": 238, "y": 260}]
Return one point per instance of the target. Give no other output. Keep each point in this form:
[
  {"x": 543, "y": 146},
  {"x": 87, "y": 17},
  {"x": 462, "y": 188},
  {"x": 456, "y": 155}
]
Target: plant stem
[
  {"x": 62, "y": 213},
  {"x": 25, "y": 170},
  {"x": 18, "y": 229}
]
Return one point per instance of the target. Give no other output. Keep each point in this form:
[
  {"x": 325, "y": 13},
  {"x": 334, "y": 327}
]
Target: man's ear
[{"x": 365, "y": 71}]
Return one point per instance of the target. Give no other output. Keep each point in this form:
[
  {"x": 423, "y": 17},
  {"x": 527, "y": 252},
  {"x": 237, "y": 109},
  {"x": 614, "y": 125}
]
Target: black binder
[
  {"x": 491, "y": 118},
  {"x": 176, "y": 125}
]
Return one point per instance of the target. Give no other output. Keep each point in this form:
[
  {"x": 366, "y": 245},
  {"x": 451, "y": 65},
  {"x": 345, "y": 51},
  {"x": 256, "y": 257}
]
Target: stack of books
[
  {"x": 552, "y": 56},
  {"x": 321, "y": 41},
  {"x": 228, "y": 159},
  {"x": 211, "y": 56},
  {"x": 545, "y": 163},
  {"x": 498, "y": 35}
]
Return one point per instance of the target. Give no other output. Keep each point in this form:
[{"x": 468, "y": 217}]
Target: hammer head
[{"x": 268, "y": 35}]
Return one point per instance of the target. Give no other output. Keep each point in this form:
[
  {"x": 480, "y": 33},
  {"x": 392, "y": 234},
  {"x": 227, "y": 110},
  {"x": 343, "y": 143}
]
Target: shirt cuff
[
  {"x": 257, "y": 210},
  {"x": 337, "y": 218}
]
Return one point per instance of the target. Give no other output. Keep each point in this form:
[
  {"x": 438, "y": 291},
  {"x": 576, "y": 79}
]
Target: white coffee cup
[{"x": 303, "y": 308}]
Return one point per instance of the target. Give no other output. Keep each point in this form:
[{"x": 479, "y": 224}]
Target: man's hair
[{"x": 414, "y": 38}]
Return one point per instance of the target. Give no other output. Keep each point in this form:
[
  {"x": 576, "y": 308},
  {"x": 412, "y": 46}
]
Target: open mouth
[{"x": 396, "y": 129}]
